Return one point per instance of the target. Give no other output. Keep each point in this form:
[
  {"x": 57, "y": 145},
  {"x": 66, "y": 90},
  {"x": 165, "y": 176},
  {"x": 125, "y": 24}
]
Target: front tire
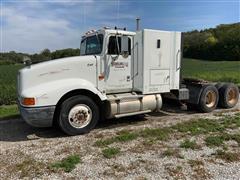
[
  {"x": 209, "y": 99},
  {"x": 78, "y": 115}
]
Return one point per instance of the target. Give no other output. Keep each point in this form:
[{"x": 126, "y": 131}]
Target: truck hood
[
  {"x": 82, "y": 67},
  {"x": 56, "y": 63}
]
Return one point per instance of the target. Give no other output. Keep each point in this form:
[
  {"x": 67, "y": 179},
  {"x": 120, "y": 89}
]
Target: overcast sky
[{"x": 33, "y": 25}]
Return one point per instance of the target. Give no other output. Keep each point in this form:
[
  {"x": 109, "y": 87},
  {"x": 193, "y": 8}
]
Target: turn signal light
[{"x": 28, "y": 101}]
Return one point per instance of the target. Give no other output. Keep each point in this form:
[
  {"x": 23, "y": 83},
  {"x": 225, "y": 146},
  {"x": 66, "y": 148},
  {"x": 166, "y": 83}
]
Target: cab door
[{"x": 117, "y": 66}]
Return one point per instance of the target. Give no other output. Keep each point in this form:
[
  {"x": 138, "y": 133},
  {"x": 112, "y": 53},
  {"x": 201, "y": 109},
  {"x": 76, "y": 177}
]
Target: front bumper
[{"x": 38, "y": 116}]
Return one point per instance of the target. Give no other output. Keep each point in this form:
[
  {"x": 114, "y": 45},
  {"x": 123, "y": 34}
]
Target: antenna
[{"x": 118, "y": 4}]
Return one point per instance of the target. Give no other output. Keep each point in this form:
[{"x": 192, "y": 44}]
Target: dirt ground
[{"x": 27, "y": 152}]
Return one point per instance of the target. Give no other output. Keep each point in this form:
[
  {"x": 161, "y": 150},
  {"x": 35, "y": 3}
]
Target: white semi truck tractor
[{"x": 118, "y": 73}]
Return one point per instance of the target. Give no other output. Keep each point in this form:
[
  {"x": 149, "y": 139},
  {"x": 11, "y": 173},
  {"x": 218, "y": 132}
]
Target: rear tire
[
  {"x": 228, "y": 96},
  {"x": 209, "y": 99},
  {"x": 78, "y": 115}
]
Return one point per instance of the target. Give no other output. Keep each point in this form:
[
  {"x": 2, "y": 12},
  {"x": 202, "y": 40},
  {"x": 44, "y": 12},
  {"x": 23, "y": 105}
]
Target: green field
[
  {"x": 8, "y": 78},
  {"x": 224, "y": 71},
  {"x": 217, "y": 71},
  {"x": 9, "y": 111}
]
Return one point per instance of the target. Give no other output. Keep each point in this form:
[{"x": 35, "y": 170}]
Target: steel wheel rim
[
  {"x": 211, "y": 98},
  {"x": 80, "y": 116},
  {"x": 232, "y": 96}
]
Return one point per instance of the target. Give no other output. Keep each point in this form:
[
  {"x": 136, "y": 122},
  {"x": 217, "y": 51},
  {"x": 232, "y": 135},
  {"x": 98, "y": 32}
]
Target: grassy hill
[{"x": 223, "y": 71}]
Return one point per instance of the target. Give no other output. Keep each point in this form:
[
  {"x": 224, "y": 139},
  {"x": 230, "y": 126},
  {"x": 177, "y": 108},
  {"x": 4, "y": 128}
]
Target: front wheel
[
  {"x": 209, "y": 99},
  {"x": 78, "y": 115}
]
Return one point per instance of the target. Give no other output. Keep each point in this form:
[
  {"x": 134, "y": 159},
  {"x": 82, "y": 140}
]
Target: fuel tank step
[{"x": 131, "y": 114}]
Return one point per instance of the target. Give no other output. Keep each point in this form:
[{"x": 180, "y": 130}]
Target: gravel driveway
[{"x": 27, "y": 152}]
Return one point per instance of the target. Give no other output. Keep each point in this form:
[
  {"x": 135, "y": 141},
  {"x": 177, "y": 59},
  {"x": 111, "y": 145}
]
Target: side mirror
[{"x": 124, "y": 44}]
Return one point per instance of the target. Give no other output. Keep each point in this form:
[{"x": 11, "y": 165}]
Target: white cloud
[
  {"x": 32, "y": 34},
  {"x": 71, "y": 2},
  {"x": 35, "y": 25}
]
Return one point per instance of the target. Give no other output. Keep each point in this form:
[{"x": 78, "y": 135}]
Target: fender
[
  {"x": 195, "y": 91},
  {"x": 48, "y": 94}
]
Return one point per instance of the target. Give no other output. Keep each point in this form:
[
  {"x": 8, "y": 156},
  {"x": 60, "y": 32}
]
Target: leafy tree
[
  {"x": 65, "y": 53},
  {"x": 220, "y": 43}
]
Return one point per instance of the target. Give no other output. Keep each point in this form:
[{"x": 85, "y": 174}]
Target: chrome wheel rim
[
  {"x": 232, "y": 96},
  {"x": 80, "y": 116},
  {"x": 211, "y": 99}
]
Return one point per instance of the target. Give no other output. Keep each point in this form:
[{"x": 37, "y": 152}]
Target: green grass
[
  {"x": 232, "y": 122},
  {"x": 8, "y": 81},
  {"x": 218, "y": 140},
  {"x": 235, "y": 137},
  {"x": 227, "y": 156},
  {"x": 199, "y": 126},
  {"x": 158, "y": 133},
  {"x": 172, "y": 152},
  {"x": 29, "y": 168},
  {"x": 217, "y": 71},
  {"x": 8, "y": 111},
  {"x": 226, "y": 122},
  {"x": 187, "y": 144},
  {"x": 124, "y": 136},
  {"x": 192, "y": 127},
  {"x": 214, "y": 140},
  {"x": 104, "y": 142},
  {"x": 204, "y": 126},
  {"x": 67, "y": 164},
  {"x": 110, "y": 152}
]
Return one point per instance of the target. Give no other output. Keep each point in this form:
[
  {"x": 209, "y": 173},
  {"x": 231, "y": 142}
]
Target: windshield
[{"x": 91, "y": 45}]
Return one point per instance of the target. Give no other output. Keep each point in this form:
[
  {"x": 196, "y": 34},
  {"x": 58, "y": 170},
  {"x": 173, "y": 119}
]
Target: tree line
[
  {"x": 13, "y": 57},
  {"x": 219, "y": 43}
]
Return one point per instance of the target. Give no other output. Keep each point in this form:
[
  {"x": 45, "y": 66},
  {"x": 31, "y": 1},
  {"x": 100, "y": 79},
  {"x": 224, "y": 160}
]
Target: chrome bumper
[{"x": 38, "y": 116}]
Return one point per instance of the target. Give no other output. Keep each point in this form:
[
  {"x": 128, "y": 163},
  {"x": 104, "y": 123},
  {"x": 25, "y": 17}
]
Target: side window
[
  {"x": 93, "y": 45},
  {"x": 114, "y": 45}
]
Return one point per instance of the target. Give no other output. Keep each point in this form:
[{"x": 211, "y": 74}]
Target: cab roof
[{"x": 108, "y": 31}]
